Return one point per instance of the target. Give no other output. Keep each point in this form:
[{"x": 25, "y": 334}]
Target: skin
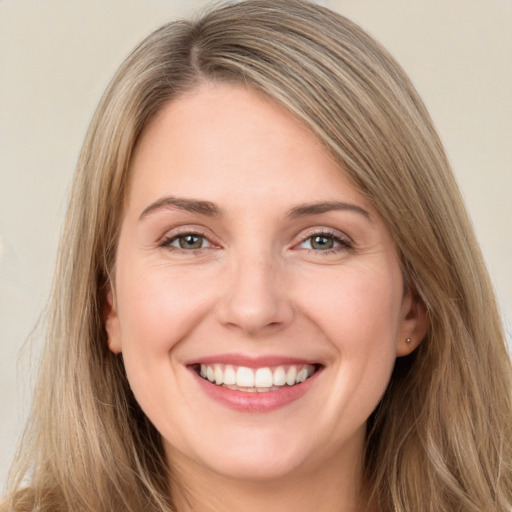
[{"x": 256, "y": 286}]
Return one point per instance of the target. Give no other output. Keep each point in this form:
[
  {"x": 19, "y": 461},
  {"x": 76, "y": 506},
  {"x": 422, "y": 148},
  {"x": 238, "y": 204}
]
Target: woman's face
[{"x": 246, "y": 257}]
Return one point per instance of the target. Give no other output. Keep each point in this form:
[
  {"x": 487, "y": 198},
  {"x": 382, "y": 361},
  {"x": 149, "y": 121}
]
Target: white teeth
[
  {"x": 244, "y": 377},
  {"x": 219, "y": 375},
  {"x": 229, "y": 375},
  {"x": 302, "y": 376},
  {"x": 291, "y": 375},
  {"x": 279, "y": 378},
  {"x": 261, "y": 379}
]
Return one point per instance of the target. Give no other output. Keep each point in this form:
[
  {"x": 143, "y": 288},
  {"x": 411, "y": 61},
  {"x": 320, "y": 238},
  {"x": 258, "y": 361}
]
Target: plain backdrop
[{"x": 57, "y": 56}]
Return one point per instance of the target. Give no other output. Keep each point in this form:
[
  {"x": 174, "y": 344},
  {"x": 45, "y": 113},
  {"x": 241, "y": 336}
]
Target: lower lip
[{"x": 255, "y": 402}]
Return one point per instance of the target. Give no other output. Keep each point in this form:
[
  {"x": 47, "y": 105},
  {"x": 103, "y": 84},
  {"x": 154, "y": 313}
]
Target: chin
[
  {"x": 251, "y": 456},
  {"x": 258, "y": 469}
]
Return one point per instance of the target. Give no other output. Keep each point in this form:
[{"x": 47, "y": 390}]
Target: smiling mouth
[{"x": 256, "y": 380}]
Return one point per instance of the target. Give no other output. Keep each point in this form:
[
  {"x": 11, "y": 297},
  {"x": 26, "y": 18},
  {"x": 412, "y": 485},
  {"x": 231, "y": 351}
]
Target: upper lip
[{"x": 250, "y": 361}]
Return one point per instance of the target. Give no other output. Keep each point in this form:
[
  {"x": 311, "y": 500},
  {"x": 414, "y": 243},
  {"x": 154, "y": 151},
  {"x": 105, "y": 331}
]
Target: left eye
[
  {"x": 322, "y": 242},
  {"x": 188, "y": 241}
]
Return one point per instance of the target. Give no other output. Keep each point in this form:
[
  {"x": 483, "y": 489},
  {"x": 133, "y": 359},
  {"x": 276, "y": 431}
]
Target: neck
[{"x": 328, "y": 487}]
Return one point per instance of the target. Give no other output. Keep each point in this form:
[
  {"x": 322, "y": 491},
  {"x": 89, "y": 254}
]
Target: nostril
[{"x": 254, "y": 304}]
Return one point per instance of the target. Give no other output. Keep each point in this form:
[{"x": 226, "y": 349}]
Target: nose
[{"x": 256, "y": 299}]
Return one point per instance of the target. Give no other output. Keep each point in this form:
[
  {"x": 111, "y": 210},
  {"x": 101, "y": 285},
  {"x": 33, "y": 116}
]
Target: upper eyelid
[
  {"x": 308, "y": 233},
  {"x": 187, "y": 230}
]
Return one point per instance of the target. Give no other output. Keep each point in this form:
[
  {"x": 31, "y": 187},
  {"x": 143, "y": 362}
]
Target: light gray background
[{"x": 56, "y": 57}]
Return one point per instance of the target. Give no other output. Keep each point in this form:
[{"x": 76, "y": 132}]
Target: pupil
[
  {"x": 191, "y": 242},
  {"x": 322, "y": 242}
]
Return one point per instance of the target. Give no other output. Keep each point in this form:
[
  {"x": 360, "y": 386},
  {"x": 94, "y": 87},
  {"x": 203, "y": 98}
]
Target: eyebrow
[
  {"x": 211, "y": 209},
  {"x": 304, "y": 210},
  {"x": 190, "y": 205}
]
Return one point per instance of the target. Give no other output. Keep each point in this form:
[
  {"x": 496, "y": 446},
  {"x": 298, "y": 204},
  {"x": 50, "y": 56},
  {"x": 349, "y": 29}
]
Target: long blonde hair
[{"x": 441, "y": 438}]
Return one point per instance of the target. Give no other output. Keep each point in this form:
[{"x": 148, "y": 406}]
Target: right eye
[{"x": 187, "y": 241}]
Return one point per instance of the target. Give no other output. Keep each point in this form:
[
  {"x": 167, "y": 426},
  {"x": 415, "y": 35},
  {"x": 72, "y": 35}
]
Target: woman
[{"x": 269, "y": 294}]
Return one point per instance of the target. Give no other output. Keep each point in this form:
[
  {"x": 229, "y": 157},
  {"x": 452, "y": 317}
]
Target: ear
[
  {"x": 414, "y": 324},
  {"x": 112, "y": 323}
]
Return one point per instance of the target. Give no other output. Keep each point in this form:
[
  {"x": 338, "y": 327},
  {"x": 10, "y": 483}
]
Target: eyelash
[
  {"x": 343, "y": 243},
  {"x": 167, "y": 242}
]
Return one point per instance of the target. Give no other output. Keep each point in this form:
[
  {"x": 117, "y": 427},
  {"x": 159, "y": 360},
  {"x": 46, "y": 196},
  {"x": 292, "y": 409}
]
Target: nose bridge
[{"x": 255, "y": 297}]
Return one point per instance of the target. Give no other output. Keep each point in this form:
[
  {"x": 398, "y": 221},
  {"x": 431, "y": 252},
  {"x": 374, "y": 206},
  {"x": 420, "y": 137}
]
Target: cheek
[
  {"x": 160, "y": 306},
  {"x": 360, "y": 318},
  {"x": 359, "y": 307}
]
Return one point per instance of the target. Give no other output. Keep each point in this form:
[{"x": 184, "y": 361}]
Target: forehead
[{"x": 227, "y": 141}]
